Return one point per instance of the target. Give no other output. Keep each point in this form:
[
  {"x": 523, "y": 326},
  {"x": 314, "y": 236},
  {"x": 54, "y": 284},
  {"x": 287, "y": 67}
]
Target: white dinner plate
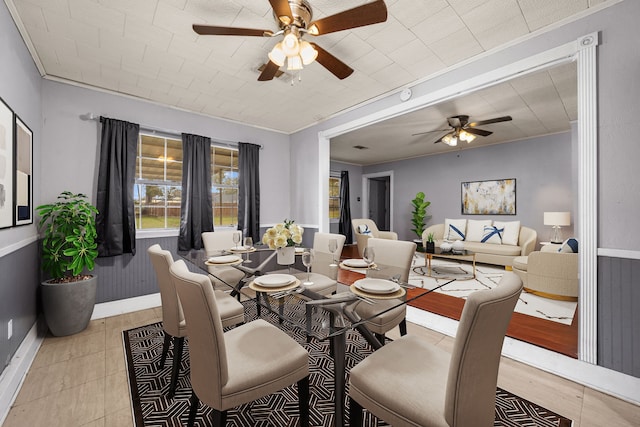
[
  {"x": 356, "y": 263},
  {"x": 239, "y": 248},
  {"x": 274, "y": 280},
  {"x": 376, "y": 286},
  {"x": 224, "y": 259}
]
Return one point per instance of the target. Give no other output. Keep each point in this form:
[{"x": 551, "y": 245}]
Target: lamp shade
[{"x": 557, "y": 218}]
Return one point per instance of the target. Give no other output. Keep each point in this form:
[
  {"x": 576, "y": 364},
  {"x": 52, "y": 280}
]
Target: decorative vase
[
  {"x": 431, "y": 247},
  {"x": 286, "y": 255}
]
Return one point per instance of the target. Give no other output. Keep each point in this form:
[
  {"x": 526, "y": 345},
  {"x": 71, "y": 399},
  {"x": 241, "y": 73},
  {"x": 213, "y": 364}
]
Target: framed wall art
[
  {"x": 6, "y": 165},
  {"x": 24, "y": 173},
  {"x": 495, "y": 197}
]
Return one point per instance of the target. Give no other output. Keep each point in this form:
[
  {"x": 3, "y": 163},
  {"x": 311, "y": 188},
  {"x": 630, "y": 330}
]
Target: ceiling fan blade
[
  {"x": 282, "y": 10},
  {"x": 269, "y": 72},
  {"x": 367, "y": 14},
  {"x": 331, "y": 63},
  {"x": 475, "y": 131},
  {"x": 211, "y": 30},
  {"x": 429, "y": 131},
  {"x": 488, "y": 122}
]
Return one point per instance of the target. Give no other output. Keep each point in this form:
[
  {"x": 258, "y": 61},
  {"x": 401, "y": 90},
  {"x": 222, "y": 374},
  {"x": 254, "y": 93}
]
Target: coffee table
[{"x": 463, "y": 255}]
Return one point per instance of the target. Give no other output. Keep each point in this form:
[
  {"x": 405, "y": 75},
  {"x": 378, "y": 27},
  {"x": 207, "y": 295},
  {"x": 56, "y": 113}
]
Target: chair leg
[
  {"x": 281, "y": 310},
  {"x": 219, "y": 418},
  {"x": 178, "y": 344},
  {"x": 193, "y": 410},
  {"x": 403, "y": 327},
  {"x": 303, "y": 401},
  {"x": 381, "y": 337},
  {"x": 165, "y": 350},
  {"x": 355, "y": 413},
  {"x": 308, "y": 314}
]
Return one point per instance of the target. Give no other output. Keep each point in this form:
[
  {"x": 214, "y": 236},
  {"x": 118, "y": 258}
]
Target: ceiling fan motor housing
[{"x": 301, "y": 12}]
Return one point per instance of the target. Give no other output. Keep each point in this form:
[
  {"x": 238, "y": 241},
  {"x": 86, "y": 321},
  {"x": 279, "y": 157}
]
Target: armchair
[{"x": 365, "y": 228}]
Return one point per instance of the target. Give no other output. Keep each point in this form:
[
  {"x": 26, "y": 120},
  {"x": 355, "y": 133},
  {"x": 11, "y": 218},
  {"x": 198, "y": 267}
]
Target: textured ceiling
[{"x": 147, "y": 49}]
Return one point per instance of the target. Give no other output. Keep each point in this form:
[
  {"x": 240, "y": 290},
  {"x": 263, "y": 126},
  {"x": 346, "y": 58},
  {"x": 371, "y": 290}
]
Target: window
[
  {"x": 334, "y": 198},
  {"x": 158, "y": 186}
]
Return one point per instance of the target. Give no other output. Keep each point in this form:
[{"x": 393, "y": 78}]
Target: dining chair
[
  {"x": 173, "y": 321},
  {"x": 214, "y": 242},
  {"x": 394, "y": 257},
  {"x": 238, "y": 366},
  {"x": 323, "y": 275},
  {"x": 410, "y": 382}
]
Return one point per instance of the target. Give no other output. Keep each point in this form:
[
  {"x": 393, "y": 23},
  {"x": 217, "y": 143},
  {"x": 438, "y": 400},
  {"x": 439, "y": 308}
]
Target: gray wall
[
  {"x": 539, "y": 165},
  {"x": 20, "y": 88}
]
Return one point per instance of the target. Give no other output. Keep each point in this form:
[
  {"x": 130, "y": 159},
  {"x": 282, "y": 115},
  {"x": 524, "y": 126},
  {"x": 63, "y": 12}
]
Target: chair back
[
  {"x": 323, "y": 257},
  {"x": 473, "y": 373},
  {"x": 207, "y": 351},
  {"x": 216, "y": 241},
  {"x": 172, "y": 313},
  {"x": 365, "y": 221},
  {"x": 396, "y": 255}
]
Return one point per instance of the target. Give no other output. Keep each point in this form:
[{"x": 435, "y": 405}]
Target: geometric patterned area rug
[
  {"x": 149, "y": 386},
  {"x": 487, "y": 277}
]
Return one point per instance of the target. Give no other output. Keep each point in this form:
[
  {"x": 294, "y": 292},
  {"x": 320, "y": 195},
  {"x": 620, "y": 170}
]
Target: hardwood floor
[{"x": 543, "y": 333}]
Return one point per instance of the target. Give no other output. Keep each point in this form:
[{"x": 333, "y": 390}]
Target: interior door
[{"x": 380, "y": 202}]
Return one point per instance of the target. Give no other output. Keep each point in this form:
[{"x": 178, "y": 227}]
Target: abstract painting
[
  {"x": 495, "y": 197},
  {"x": 6, "y": 165},
  {"x": 24, "y": 173}
]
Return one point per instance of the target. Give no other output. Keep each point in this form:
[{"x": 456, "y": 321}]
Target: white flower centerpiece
[{"x": 283, "y": 237}]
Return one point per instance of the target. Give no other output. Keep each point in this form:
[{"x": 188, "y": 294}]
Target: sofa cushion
[
  {"x": 520, "y": 262},
  {"x": 454, "y": 229},
  {"x": 569, "y": 246},
  {"x": 511, "y": 233},
  {"x": 475, "y": 229},
  {"x": 492, "y": 235},
  {"x": 487, "y": 248}
]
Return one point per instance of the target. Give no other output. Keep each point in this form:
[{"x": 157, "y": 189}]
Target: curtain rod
[{"x": 232, "y": 144}]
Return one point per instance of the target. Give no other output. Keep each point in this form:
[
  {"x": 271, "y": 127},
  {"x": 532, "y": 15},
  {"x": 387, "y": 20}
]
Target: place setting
[
  {"x": 223, "y": 260},
  {"x": 357, "y": 264},
  {"x": 375, "y": 288},
  {"x": 274, "y": 283}
]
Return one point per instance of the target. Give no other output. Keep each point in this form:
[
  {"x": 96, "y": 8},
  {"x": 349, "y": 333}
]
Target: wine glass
[
  {"x": 368, "y": 255},
  {"x": 307, "y": 260},
  {"x": 236, "y": 238},
  {"x": 248, "y": 244},
  {"x": 333, "y": 247}
]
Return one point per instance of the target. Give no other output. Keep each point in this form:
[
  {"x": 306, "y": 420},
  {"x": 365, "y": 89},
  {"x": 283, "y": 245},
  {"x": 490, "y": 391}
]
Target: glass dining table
[{"x": 275, "y": 291}]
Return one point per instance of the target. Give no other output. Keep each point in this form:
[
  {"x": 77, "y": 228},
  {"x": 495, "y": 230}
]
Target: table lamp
[{"x": 557, "y": 220}]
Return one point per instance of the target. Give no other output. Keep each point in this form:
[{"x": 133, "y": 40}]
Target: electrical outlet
[{"x": 9, "y": 328}]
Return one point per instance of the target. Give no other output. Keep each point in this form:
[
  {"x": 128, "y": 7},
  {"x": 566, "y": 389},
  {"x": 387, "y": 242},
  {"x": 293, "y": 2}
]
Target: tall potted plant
[
  {"x": 69, "y": 251},
  {"x": 418, "y": 214}
]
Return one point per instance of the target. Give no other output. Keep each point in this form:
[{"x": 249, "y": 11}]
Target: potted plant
[
  {"x": 419, "y": 214},
  {"x": 431, "y": 246},
  {"x": 69, "y": 250}
]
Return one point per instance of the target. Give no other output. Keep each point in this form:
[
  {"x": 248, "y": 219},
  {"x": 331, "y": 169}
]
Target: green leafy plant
[
  {"x": 419, "y": 213},
  {"x": 430, "y": 238},
  {"x": 69, "y": 229}
]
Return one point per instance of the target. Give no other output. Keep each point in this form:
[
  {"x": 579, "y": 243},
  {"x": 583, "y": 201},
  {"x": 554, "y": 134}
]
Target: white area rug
[{"x": 487, "y": 277}]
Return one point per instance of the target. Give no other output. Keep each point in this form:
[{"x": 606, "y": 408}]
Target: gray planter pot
[{"x": 68, "y": 306}]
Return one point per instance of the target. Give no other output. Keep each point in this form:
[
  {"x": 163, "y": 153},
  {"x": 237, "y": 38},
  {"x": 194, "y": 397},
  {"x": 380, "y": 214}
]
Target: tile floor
[{"x": 81, "y": 381}]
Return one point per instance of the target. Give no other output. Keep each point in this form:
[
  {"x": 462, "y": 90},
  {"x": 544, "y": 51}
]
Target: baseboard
[
  {"x": 14, "y": 374},
  {"x": 129, "y": 305},
  {"x": 605, "y": 380}
]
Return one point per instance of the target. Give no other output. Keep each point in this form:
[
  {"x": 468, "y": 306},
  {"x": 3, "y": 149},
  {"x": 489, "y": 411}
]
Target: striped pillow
[
  {"x": 569, "y": 246},
  {"x": 454, "y": 229},
  {"x": 492, "y": 234}
]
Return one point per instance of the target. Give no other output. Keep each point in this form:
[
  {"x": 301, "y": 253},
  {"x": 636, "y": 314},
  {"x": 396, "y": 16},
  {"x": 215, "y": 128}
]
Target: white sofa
[{"x": 491, "y": 253}]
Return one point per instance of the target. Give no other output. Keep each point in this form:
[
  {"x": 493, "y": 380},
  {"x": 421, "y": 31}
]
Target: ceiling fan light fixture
[
  {"x": 450, "y": 140},
  {"x": 307, "y": 53},
  {"x": 290, "y": 45},
  {"x": 277, "y": 55},
  {"x": 294, "y": 63},
  {"x": 466, "y": 136}
]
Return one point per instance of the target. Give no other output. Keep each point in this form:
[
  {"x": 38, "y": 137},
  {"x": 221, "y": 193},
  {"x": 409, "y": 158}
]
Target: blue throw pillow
[
  {"x": 569, "y": 246},
  {"x": 492, "y": 234},
  {"x": 364, "y": 229}
]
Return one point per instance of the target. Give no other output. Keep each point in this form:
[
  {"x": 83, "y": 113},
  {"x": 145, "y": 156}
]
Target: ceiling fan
[
  {"x": 294, "y": 20},
  {"x": 462, "y": 130}
]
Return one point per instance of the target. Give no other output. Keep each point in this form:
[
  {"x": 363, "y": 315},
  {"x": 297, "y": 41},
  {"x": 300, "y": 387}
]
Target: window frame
[{"x": 336, "y": 176}]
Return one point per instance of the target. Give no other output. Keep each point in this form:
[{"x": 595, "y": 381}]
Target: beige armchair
[
  {"x": 238, "y": 366},
  {"x": 410, "y": 382},
  {"x": 549, "y": 273},
  {"x": 362, "y": 238}
]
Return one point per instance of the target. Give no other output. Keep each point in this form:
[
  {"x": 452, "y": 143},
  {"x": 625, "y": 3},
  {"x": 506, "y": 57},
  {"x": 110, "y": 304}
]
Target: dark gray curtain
[
  {"x": 115, "y": 222},
  {"x": 196, "y": 214},
  {"x": 344, "y": 226},
  {"x": 249, "y": 190}
]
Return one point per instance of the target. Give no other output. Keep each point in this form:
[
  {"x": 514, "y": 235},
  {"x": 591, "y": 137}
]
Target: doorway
[{"x": 377, "y": 199}]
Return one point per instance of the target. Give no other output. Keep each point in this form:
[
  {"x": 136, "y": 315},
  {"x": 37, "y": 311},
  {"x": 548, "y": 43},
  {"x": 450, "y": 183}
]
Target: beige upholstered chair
[
  {"x": 426, "y": 385},
  {"x": 549, "y": 273},
  {"x": 362, "y": 238},
  {"x": 173, "y": 322},
  {"x": 214, "y": 242},
  {"x": 396, "y": 256},
  {"x": 323, "y": 276},
  {"x": 241, "y": 365}
]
